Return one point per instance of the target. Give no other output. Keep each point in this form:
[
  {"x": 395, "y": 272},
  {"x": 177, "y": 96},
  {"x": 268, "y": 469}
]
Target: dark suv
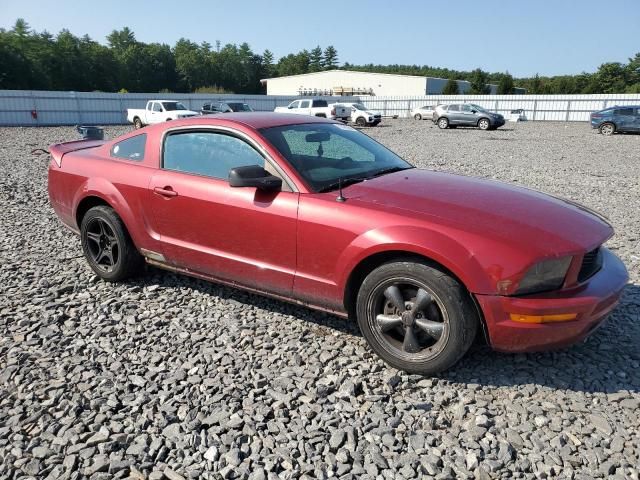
[{"x": 624, "y": 118}]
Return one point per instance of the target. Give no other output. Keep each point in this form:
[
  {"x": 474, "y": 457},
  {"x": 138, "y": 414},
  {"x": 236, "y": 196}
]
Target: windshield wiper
[
  {"x": 344, "y": 182},
  {"x": 384, "y": 171}
]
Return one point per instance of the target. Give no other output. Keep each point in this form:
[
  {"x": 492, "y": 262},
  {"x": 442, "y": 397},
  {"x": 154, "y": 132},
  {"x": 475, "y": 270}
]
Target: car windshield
[
  {"x": 359, "y": 106},
  {"x": 477, "y": 107},
  {"x": 170, "y": 106},
  {"x": 328, "y": 154},
  {"x": 239, "y": 107}
]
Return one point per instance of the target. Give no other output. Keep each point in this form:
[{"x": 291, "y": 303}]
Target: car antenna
[{"x": 340, "y": 196}]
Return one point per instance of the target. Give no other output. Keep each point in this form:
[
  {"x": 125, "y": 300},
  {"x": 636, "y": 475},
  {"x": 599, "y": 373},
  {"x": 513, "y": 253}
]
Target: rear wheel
[
  {"x": 417, "y": 116},
  {"x": 484, "y": 124},
  {"x": 361, "y": 122},
  {"x": 137, "y": 123},
  {"x": 607, "y": 129},
  {"x": 443, "y": 123},
  {"x": 107, "y": 245},
  {"x": 416, "y": 317}
]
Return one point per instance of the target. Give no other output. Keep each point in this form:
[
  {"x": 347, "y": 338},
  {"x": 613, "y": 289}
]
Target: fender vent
[{"x": 591, "y": 263}]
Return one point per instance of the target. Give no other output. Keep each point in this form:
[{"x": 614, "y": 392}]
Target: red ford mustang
[{"x": 311, "y": 211}]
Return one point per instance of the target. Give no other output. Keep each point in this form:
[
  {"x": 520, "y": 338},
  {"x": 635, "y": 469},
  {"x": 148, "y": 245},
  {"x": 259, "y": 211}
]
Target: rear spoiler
[{"x": 58, "y": 150}]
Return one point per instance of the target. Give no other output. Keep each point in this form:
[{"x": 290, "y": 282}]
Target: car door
[
  {"x": 239, "y": 235},
  {"x": 294, "y": 107},
  {"x": 624, "y": 118},
  {"x": 305, "y": 107},
  {"x": 156, "y": 113},
  {"x": 636, "y": 119},
  {"x": 454, "y": 115},
  {"x": 468, "y": 115}
]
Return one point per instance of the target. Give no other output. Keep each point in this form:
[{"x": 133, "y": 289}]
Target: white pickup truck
[
  {"x": 158, "y": 111},
  {"x": 316, "y": 108}
]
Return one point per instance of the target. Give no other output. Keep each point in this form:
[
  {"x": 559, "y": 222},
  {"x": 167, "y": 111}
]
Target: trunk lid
[{"x": 58, "y": 150}]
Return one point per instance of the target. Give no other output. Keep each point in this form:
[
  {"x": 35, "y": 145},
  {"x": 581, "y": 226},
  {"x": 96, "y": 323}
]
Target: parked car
[
  {"x": 423, "y": 113},
  {"x": 361, "y": 115},
  {"x": 517, "y": 115},
  {"x": 315, "y": 212},
  {"x": 316, "y": 108},
  {"x": 224, "y": 107},
  {"x": 467, "y": 115},
  {"x": 617, "y": 119},
  {"x": 158, "y": 111}
]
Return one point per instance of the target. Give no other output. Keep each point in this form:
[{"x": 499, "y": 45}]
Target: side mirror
[
  {"x": 474, "y": 111},
  {"x": 254, "y": 176},
  {"x": 290, "y": 107}
]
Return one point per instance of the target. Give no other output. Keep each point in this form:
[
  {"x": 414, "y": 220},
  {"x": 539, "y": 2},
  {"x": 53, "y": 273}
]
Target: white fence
[
  {"x": 562, "y": 108},
  {"x": 32, "y": 108}
]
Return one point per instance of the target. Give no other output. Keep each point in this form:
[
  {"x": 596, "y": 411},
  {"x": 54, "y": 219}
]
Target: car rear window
[
  {"x": 320, "y": 103},
  {"x": 130, "y": 149}
]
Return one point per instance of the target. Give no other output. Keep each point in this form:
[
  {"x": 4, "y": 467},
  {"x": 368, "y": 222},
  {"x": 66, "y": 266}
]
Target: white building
[{"x": 347, "y": 82}]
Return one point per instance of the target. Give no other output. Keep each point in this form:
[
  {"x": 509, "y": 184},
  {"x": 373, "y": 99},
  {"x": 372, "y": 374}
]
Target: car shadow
[{"x": 607, "y": 361}]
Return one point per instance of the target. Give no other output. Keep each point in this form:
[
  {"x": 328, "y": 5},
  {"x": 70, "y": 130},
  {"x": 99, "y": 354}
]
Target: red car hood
[{"x": 489, "y": 208}]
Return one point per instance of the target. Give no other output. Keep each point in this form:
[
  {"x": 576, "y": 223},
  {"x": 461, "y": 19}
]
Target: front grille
[{"x": 591, "y": 263}]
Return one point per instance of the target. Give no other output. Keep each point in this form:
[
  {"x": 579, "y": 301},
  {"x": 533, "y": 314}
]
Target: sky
[{"x": 524, "y": 37}]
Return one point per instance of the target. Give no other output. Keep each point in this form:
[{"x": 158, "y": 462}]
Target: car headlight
[{"x": 544, "y": 276}]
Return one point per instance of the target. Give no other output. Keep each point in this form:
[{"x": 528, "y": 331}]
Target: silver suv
[{"x": 467, "y": 115}]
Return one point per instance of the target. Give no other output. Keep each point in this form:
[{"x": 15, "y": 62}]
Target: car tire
[
  {"x": 484, "y": 124},
  {"x": 416, "y": 317},
  {"x": 607, "y": 129},
  {"x": 137, "y": 123},
  {"x": 107, "y": 246},
  {"x": 361, "y": 122},
  {"x": 417, "y": 116},
  {"x": 443, "y": 123}
]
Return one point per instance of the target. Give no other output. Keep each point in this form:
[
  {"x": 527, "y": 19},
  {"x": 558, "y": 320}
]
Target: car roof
[
  {"x": 621, "y": 106},
  {"x": 255, "y": 120}
]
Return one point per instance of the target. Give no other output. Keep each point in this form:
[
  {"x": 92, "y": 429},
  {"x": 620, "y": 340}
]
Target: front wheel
[
  {"x": 416, "y": 317},
  {"x": 484, "y": 124},
  {"x": 361, "y": 122},
  {"x": 417, "y": 116},
  {"x": 607, "y": 129},
  {"x": 107, "y": 245},
  {"x": 443, "y": 123}
]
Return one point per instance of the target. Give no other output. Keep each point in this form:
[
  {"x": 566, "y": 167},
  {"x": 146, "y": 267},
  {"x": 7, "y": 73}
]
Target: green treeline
[{"x": 42, "y": 61}]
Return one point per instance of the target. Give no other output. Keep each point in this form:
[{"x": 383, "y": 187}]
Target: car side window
[
  {"x": 466, "y": 108},
  {"x": 295, "y": 104},
  {"x": 305, "y": 103},
  {"x": 157, "y": 107},
  {"x": 211, "y": 154},
  {"x": 623, "y": 111},
  {"x": 130, "y": 149},
  {"x": 206, "y": 106},
  {"x": 454, "y": 108}
]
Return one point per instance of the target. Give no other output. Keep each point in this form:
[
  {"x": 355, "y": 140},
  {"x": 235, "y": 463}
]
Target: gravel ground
[{"x": 170, "y": 377}]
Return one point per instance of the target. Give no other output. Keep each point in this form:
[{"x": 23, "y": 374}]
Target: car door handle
[{"x": 165, "y": 191}]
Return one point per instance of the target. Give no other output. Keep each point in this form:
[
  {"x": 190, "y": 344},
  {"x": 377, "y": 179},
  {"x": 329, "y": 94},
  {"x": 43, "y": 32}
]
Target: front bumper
[{"x": 592, "y": 302}]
